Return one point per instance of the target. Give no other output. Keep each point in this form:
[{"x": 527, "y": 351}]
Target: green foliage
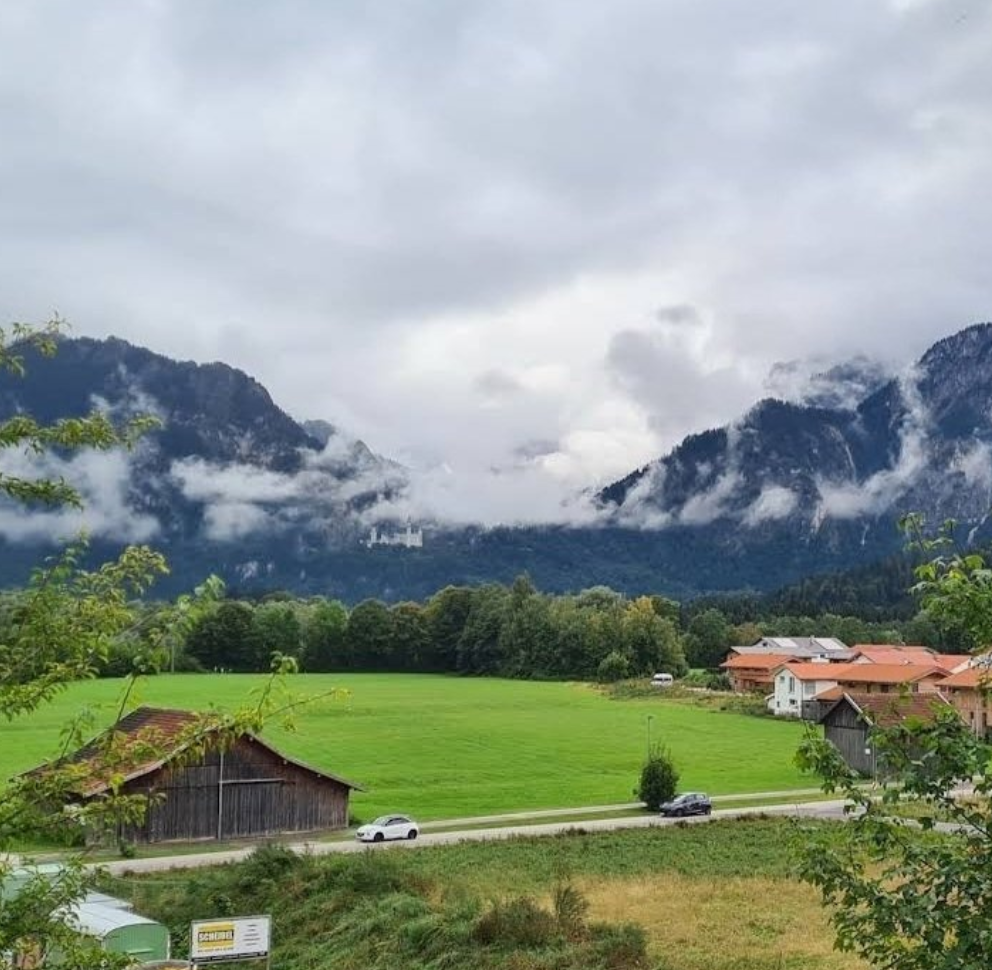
[
  {"x": 324, "y": 636},
  {"x": 68, "y": 625},
  {"x": 381, "y": 911},
  {"x": 906, "y": 903},
  {"x": 707, "y": 639},
  {"x": 226, "y": 639},
  {"x": 613, "y": 667},
  {"x": 659, "y": 779}
]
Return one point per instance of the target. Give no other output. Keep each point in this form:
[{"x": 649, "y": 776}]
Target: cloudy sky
[{"x": 523, "y": 245}]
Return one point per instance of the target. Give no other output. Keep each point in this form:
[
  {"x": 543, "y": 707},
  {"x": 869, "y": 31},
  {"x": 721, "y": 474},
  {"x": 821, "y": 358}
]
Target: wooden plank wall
[{"x": 261, "y": 795}]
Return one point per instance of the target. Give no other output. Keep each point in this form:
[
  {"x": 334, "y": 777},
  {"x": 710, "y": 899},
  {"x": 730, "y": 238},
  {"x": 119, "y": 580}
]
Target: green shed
[{"x": 119, "y": 930}]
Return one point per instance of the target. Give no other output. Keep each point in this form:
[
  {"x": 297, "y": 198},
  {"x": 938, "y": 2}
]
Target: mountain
[
  {"x": 231, "y": 484},
  {"x": 796, "y": 476},
  {"x": 227, "y": 479}
]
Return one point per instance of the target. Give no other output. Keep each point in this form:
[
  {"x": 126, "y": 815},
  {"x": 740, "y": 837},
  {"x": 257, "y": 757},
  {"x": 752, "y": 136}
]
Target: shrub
[
  {"x": 613, "y": 667},
  {"x": 570, "y": 907},
  {"x": 621, "y": 947},
  {"x": 519, "y": 922},
  {"x": 659, "y": 780}
]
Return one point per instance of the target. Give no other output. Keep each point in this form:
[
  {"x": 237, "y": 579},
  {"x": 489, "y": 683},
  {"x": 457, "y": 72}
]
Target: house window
[{"x": 792, "y": 684}]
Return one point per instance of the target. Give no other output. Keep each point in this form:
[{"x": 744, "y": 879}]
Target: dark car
[{"x": 691, "y": 803}]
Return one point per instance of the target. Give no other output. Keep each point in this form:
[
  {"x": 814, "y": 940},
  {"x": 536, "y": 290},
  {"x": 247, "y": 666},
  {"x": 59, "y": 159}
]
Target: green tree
[
  {"x": 707, "y": 639},
  {"x": 447, "y": 612},
  {"x": 659, "y": 779},
  {"x": 651, "y": 641},
  {"x": 411, "y": 637},
  {"x": 226, "y": 639},
  {"x": 479, "y": 644},
  {"x": 370, "y": 636},
  {"x": 277, "y": 629},
  {"x": 324, "y": 637}
]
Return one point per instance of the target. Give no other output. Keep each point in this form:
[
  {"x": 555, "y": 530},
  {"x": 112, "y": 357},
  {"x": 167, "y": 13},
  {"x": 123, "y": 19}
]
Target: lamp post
[{"x": 650, "y": 719}]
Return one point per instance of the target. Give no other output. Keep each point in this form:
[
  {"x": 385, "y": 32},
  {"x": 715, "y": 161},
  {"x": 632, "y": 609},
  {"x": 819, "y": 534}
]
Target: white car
[{"x": 388, "y": 827}]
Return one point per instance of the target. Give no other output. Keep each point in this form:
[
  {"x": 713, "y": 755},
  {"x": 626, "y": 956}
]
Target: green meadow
[{"x": 446, "y": 747}]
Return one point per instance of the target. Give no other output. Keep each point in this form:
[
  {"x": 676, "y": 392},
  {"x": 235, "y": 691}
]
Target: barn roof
[
  {"x": 887, "y": 710},
  {"x": 150, "y": 737}
]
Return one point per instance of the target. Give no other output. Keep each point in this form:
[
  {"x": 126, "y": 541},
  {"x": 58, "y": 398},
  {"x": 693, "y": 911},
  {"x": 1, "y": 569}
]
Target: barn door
[{"x": 253, "y": 808}]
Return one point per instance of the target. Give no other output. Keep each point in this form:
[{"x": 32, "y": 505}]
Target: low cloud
[
  {"x": 819, "y": 383},
  {"x": 774, "y": 502},
  {"x": 879, "y": 492},
  {"x": 103, "y": 481}
]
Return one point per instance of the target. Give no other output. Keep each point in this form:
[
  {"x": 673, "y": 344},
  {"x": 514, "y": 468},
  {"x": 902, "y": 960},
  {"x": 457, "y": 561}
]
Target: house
[
  {"x": 752, "y": 671},
  {"x": 243, "y": 789},
  {"x": 891, "y": 653},
  {"x": 798, "y": 685},
  {"x": 801, "y": 648},
  {"x": 970, "y": 693},
  {"x": 848, "y": 722}
]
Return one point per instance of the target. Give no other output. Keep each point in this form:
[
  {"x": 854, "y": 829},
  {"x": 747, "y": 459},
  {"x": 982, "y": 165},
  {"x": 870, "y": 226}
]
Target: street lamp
[{"x": 650, "y": 719}]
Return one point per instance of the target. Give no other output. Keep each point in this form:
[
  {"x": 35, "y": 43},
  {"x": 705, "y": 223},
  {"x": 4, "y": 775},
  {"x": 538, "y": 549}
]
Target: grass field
[
  {"x": 443, "y": 747},
  {"x": 706, "y": 897}
]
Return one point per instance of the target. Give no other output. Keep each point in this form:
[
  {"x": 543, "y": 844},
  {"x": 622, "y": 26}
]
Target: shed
[
  {"x": 849, "y": 720},
  {"x": 241, "y": 789},
  {"x": 120, "y": 930}
]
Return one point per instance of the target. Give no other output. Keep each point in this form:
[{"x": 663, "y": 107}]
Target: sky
[{"x": 523, "y": 246}]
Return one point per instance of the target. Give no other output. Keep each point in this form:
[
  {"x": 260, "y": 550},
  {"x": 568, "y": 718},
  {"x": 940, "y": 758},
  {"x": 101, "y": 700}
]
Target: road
[{"x": 825, "y": 810}]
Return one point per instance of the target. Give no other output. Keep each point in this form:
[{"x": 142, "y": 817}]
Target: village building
[
  {"x": 970, "y": 692},
  {"x": 801, "y": 648},
  {"x": 210, "y": 790},
  {"x": 894, "y": 653},
  {"x": 751, "y": 672},
  {"x": 797, "y": 686},
  {"x": 849, "y": 719}
]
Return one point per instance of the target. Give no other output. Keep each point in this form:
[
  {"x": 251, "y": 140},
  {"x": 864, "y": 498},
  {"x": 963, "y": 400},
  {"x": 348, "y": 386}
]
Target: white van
[{"x": 662, "y": 680}]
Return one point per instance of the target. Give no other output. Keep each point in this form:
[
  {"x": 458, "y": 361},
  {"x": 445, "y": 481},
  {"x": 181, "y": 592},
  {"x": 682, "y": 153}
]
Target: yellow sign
[
  {"x": 235, "y": 938},
  {"x": 215, "y": 936}
]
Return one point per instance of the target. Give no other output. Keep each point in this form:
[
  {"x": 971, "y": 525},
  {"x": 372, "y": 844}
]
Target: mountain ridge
[{"x": 232, "y": 484}]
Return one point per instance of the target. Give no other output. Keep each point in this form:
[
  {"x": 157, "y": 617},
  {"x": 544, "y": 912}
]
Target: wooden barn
[
  {"x": 239, "y": 790},
  {"x": 848, "y": 720}
]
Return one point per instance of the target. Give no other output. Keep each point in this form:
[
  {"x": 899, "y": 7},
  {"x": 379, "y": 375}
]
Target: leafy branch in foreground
[
  {"x": 915, "y": 894},
  {"x": 60, "y": 632}
]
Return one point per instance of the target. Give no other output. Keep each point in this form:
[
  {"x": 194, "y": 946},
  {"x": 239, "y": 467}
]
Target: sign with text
[{"x": 231, "y": 938}]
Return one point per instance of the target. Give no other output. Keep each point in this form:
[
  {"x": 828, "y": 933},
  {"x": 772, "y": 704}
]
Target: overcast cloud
[{"x": 459, "y": 228}]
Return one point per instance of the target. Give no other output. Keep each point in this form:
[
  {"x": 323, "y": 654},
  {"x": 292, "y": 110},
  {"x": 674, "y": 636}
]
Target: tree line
[{"x": 497, "y": 630}]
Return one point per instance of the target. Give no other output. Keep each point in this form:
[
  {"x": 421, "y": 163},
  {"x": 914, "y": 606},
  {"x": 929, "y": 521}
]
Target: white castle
[{"x": 410, "y": 538}]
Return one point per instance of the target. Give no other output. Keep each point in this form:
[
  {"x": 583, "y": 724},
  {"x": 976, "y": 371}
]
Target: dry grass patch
[{"x": 759, "y": 923}]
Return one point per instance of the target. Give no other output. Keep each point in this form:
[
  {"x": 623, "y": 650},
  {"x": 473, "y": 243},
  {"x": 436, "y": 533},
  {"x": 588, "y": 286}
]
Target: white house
[{"x": 798, "y": 682}]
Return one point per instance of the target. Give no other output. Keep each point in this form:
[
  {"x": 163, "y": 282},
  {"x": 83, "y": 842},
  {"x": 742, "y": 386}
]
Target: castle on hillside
[{"x": 410, "y": 538}]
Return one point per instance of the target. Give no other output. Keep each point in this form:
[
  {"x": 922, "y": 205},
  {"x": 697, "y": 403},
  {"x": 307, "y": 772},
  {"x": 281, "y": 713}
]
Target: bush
[
  {"x": 620, "y": 947},
  {"x": 613, "y": 667},
  {"x": 519, "y": 922},
  {"x": 659, "y": 780}
]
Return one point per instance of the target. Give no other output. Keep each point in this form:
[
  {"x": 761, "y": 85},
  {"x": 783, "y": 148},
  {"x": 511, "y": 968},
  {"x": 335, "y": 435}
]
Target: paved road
[{"x": 826, "y": 809}]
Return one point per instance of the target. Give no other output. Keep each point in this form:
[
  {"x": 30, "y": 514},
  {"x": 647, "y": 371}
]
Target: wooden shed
[
  {"x": 849, "y": 719},
  {"x": 242, "y": 789}
]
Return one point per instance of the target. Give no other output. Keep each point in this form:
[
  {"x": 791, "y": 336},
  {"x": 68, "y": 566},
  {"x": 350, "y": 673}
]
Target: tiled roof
[
  {"x": 888, "y": 654},
  {"x": 754, "y": 661},
  {"x": 972, "y": 677},
  {"x": 863, "y": 673},
  {"x": 887, "y": 710},
  {"x": 146, "y": 739}
]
